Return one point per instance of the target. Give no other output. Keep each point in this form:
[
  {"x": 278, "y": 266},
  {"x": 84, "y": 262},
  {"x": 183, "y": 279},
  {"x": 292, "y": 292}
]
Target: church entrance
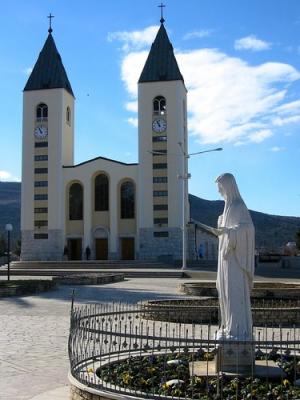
[
  {"x": 75, "y": 249},
  {"x": 101, "y": 249},
  {"x": 127, "y": 248}
]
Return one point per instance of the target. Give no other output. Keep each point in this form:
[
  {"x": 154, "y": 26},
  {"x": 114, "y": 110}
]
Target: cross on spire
[
  {"x": 50, "y": 16},
  {"x": 162, "y": 6}
]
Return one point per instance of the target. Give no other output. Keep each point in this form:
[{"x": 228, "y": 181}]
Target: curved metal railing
[{"x": 102, "y": 334}]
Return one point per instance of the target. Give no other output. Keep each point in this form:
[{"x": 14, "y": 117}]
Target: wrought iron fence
[{"x": 111, "y": 345}]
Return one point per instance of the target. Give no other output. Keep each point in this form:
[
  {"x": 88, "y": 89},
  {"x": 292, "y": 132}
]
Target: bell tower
[
  {"x": 48, "y": 136},
  {"x": 162, "y": 114}
]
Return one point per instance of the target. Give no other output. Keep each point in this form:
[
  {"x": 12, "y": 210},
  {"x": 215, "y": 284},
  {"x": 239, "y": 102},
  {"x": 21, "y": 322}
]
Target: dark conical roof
[
  {"x": 161, "y": 64},
  {"x": 49, "y": 72}
]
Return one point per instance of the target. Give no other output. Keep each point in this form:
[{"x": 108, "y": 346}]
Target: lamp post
[
  {"x": 8, "y": 228},
  {"x": 184, "y": 178}
]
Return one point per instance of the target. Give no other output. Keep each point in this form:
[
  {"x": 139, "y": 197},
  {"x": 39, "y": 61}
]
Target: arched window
[
  {"x": 68, "y": 116},
  {"x": 101, "y": 193},
  {"x": 127, "y": 200},
  {"x": 159, "y": 105},
  {"x": 42, "y": 112},
  {"x": 76, "y": 202}
]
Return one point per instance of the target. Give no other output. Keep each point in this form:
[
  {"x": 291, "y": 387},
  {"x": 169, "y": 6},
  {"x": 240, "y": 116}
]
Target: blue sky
[{"x": 240, "y": 61}]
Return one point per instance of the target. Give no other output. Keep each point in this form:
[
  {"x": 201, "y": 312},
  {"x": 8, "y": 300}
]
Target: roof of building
[
  {"x": 99, "y": 158},
  {"x": 49, "y": 72},
  {"x": 161, "y": 64}
]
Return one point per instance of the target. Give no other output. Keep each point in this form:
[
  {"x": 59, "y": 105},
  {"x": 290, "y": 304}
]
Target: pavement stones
[{"x": 34, "y": 334}]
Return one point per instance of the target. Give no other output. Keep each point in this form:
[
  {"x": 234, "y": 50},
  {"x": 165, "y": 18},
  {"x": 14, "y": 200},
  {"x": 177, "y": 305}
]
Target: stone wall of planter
[{"x": 26, "y": 287}]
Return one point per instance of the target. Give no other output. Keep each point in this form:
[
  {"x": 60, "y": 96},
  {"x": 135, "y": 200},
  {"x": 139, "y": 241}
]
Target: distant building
[{"x": 118, "y": 210}]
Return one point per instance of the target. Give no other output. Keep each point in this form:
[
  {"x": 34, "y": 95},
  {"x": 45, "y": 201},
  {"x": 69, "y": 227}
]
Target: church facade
[{"x": 102, "y": 208}]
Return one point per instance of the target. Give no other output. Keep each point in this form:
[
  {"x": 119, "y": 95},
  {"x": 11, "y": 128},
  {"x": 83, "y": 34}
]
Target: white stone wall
[{"x": 50, "y": 249}]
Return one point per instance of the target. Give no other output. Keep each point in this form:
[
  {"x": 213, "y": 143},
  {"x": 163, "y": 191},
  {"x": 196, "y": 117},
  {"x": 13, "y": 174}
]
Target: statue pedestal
[{"x": 236, "y": 358}]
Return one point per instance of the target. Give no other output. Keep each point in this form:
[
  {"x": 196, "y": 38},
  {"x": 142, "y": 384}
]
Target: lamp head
[{"x": 8, "y": 227}]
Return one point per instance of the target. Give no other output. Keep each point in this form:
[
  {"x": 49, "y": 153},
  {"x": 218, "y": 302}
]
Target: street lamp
[
  {"x": 8, "y": 228},
  {"x": 184, "y": 178}
]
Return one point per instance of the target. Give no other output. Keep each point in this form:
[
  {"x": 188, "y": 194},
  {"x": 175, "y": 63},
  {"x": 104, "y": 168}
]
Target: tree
[
  {"x": 298, "y": 239},
  {"x": 2, "y": 245}
]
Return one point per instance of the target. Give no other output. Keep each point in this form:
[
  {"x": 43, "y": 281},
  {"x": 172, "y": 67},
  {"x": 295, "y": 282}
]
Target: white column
[{"x": 113, "y": 216}]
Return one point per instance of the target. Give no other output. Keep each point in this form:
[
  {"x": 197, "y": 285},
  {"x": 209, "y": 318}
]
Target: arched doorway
[{"x": 101, "y": 243}]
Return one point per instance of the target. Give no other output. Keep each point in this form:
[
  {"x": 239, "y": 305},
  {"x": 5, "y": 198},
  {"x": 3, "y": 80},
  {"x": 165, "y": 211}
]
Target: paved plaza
[{"x": 34, "y": 333}]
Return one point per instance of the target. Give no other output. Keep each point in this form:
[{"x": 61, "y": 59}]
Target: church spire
[
  {"x": 161, "y": 64},
  {"x": 49, "y": 71}
]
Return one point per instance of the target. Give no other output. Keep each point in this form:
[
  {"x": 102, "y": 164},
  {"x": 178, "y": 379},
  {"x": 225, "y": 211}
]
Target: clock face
[
  {"x": 41, "y": 132},
  {"x": 159, "y": 125}
]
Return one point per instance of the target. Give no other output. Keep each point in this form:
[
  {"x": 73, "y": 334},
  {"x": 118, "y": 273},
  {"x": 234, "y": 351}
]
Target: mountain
[
  {"x": 10, "y": 207},
  {"x": 272, "y": 231}
]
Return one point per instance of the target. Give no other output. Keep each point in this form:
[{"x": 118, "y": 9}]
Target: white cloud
[
  {"x": 260, "y": 136},
  {"x": 131, "y": 106},
  {"x": 228, "y": 99},
  {"x": 290, "y": 108},
  {"x": 251, "y": 43},
  {"x": 279, "y": 121},
  {"x": 277, "y": 149},
  {"x": 135, "y": 39},
  {"x": 27, "y": 71},
  {"x": 133, "y": 121},
  {"x": 198, "y": 34},
  {"x": 8, "y": 177}
]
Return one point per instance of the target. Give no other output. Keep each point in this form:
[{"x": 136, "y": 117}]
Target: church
[{"x": 106, "y": 209}]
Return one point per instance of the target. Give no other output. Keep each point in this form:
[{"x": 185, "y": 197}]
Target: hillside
[
  {"x": 271, "y": 230},
  {"x": 10, "y": 207}
]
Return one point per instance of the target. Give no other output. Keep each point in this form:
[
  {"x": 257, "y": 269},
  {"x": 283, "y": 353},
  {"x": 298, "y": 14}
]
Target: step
[
  {"x": 129, "y": 273},
  {"x": 96, "y": 265}
]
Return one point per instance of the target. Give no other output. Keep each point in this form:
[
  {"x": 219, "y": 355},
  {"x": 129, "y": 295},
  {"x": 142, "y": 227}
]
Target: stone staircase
[
  {"x": 130, "y": 268},
  {"x": 134, "y": 268}
]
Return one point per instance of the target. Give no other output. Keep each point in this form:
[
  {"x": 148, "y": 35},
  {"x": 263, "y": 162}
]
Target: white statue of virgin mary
[{"x": 235, "y": 263}]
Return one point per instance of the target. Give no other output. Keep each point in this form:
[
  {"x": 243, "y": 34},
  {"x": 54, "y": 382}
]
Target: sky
[{"x": 241, "y": 64}]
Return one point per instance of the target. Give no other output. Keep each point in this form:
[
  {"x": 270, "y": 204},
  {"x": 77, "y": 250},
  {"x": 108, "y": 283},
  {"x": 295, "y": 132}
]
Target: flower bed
[{"x": 169, "y": 375}]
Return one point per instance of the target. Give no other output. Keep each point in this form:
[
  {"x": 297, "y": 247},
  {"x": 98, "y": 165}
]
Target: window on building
[
  {"x": 159, "y": 207},
  {"x": 101, "y": 193},
  {"x": 160, "y": 220},
  {"x": 40, "y": 210},
  {"x": 40, "y": 223},
  {"x": 159, "y": 139},
  {"x": 160, "y": 179},
  {"x": 41, "y": 144},
  {"x": 76, "y": 202},
  {"x": 68, "y": 116},
  {"x": 160, "y": 193},
  {"x": 42, "y": 112},
  {"x": 41, "y": 183},
  {"x": 160, "y": 165},
  {"x": 127, "y": 200},
  {"x": 41, "y": 170},
  {"x": 42, "y": 157},
  {"x": 40, "y": 197},
  {"x": 159, "y": 152},
  {"x": 159, "y": 105}
]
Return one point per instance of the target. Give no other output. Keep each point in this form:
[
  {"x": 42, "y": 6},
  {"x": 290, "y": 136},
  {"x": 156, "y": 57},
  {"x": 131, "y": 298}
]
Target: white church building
[{"x": 119, "y": 211}]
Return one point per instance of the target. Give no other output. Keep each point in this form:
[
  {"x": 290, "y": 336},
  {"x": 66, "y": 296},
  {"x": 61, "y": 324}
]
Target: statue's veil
[{"x": 230, "y": 187}]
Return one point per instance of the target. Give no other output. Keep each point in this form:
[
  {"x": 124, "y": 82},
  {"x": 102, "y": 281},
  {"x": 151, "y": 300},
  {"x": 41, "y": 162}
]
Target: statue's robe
[{"x": 235, "y": 271}]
